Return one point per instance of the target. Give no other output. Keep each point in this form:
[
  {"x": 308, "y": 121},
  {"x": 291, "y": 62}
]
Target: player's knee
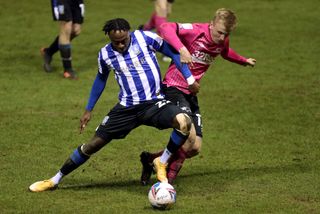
[
  {"x": 76, "y": 30},
  {"x": 66, "y": 28},
  {"x": 93, "y": 146},
  {"x": 194, "y": 151},
  {"x": 184, "y": 123},
  {"x": 75, "y": 33},
  {"x": 88, "y": 149}
]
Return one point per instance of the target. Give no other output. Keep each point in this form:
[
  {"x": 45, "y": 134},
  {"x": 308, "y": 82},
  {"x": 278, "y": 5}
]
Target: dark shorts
[
  {"x": 68, "y": 10},
  {"x": 188, "y": 103},
  {"x": 170, "y": 1},
  {"x": 121, "y": 120}
]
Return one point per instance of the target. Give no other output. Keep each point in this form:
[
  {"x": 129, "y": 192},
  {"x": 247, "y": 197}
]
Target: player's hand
[
  {"x": 185, "y": 56},
  {"x": 84, "y": 120},
  {"x": 251, "y": 61},
  {"x": 194, "y": 88}
]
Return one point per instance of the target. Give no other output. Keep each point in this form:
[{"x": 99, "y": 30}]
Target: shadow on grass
[
  {"x": 101, "y": 185},
  {"x": 218, "y": 176},
  {"x": 231, "y": 174}
]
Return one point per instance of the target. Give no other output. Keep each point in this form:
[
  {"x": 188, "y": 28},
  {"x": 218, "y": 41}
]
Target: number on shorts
[
  {"x": 199, "y": 119},
  {"x": 162, "y": 103}
]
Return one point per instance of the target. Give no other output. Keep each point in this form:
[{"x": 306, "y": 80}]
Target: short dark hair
[{"x": 116, "y": 24}]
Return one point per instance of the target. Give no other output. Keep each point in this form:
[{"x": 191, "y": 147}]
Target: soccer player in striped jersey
[
  {"x": 199, "y": 44},
  {"x": 132, "y": 57}
]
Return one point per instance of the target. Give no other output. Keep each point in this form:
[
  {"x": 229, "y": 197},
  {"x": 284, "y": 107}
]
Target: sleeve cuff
[{"x": 191, "y": 80}]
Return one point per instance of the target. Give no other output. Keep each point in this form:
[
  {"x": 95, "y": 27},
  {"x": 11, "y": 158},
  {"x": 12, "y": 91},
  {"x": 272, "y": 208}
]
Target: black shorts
[
  {"x": 68, "y": 10},
  {"x": 121, "y": 120},
  {"x": 170, "y": 1},
  {"x": 188, "y": 103}
]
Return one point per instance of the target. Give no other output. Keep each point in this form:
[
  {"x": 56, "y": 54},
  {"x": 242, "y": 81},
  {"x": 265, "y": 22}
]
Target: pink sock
[{"x": 176, "y": 164}]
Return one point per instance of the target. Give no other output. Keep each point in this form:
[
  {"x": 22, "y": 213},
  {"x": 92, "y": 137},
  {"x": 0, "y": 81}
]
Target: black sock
[
  {"x": 176, "y": 141},
  {"x": 65, "y": 52},
  {"x": 76, "y": 159},
  {"x": 54, "y": 47}
]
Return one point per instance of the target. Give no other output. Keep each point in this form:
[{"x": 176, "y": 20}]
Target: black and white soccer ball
[{"x": 162, "y": 196}]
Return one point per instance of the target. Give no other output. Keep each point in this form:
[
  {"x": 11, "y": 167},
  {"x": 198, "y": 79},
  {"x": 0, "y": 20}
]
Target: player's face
[
  {"x": 218, "y": 31},
  {"x": 120, "y": 40}
]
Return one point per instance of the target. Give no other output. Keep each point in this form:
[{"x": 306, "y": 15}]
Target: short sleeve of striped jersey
[
  {"x": 153, "y": 39},
  {"x": 102, "y": 66}
]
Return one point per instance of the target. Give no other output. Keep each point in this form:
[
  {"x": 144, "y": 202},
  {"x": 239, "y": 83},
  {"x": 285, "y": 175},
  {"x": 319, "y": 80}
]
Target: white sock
[
  {"x": 56, "y": 179},
  {"x": 165, "y": 156}
]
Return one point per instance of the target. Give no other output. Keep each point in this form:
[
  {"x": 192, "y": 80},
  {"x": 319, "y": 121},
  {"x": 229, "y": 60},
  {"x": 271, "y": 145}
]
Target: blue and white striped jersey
[{"x": 136, "y": 70}]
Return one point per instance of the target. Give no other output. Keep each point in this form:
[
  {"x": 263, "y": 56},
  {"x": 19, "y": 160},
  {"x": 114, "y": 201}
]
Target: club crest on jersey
[
  {"x": 61, "y": 9},
  {"x": 201, "y": 44},
  {"x": 136, "y": 49}
]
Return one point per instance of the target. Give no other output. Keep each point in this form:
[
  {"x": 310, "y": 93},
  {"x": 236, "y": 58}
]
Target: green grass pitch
[{"x": 261, "y": 145}]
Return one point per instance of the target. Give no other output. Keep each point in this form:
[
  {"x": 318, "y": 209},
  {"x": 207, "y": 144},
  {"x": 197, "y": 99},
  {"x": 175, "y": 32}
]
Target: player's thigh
[
  {"x": 161, "y": 115},
  {"x": 76, "y": 29},
  {"x": 189, "y": 105},
  {"x": 65, "y": 32},
  {"x": 65, "y": 27},
  {"x": 118, "y": 123},
  {"x": 161, "y": 7},
  {"x": 94, "y": 145},
  {"x": 191, "y": 139},
  {"x": 169, "y": 8},
  {"x": 178, "y": 98}
]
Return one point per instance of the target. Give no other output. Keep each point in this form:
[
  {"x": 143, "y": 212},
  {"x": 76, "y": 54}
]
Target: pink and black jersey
[{"x": 197, "y": 39}]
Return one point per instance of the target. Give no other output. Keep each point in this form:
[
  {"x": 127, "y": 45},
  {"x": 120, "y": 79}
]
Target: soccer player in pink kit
[{"x": 198, "y": 44}]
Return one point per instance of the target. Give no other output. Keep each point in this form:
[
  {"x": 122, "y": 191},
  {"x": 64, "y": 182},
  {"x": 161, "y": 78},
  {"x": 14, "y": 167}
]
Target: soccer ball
[{"x": 162, "y": 196}]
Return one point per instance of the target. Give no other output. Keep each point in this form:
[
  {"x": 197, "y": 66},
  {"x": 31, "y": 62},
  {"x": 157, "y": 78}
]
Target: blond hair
[{"x": 228, "y": 18}]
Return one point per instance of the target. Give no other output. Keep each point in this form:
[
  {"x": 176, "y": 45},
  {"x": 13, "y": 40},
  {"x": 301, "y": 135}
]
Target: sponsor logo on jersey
[{"x": 202, "y": 57}]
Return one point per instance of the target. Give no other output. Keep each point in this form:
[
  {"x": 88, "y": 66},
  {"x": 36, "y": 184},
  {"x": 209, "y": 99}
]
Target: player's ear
[{"x": 211, "y": 24}]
